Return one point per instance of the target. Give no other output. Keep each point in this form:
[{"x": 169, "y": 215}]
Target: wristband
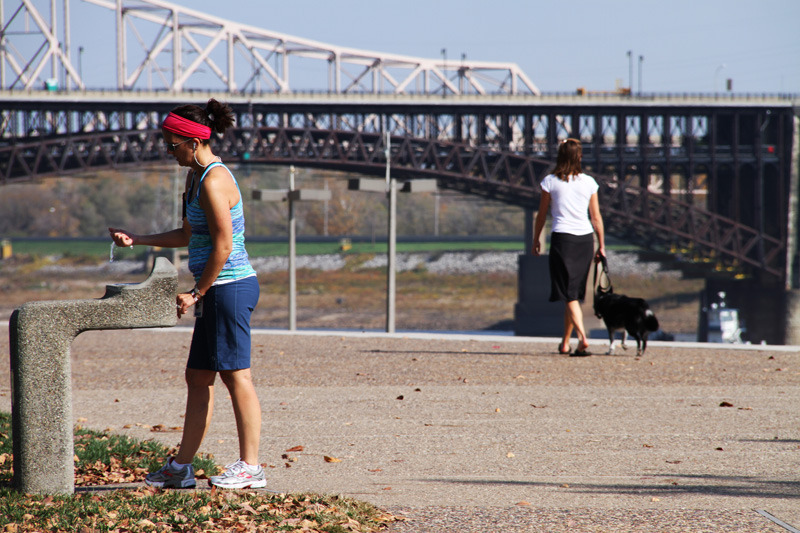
[{"x": 195, "y": 292}]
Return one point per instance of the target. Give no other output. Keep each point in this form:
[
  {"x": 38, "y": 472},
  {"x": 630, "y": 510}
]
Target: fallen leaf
[
  {"x": 726, "y": 404},
  {"x": 523, "y": 502},
  {"x": 510, "y": 455},
  {"x": 296, "y": 449},
  {"x": 655, "y": 499},
  {"x": 161, "y": 428},
  {"x": 329, "y": 459},
  {"x": 400, "y": 397}
]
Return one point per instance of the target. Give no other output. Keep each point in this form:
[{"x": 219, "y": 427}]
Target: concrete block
[{"x": 40, "y": 335}]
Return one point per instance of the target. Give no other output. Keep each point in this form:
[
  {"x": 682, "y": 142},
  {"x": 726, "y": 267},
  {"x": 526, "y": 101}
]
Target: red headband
[{"x": 185, "y": 127}]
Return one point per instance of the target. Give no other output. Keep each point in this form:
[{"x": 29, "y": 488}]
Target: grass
[
  {"x": 103, "y": 459},
  {"x": 93, "y": 248}
]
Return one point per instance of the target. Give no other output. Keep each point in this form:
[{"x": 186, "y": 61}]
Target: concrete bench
[{"x": 41, "y": 334}]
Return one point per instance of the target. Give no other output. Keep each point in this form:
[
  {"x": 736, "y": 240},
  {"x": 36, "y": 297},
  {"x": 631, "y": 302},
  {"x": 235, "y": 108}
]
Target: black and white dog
[{"x": 619, "y": 312}]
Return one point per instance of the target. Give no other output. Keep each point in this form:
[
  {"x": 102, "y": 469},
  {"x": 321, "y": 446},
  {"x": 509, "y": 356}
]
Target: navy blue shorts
[{"x": 221, "y": 338}]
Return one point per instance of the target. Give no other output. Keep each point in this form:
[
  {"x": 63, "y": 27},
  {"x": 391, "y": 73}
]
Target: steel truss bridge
[
  {"x": 704, "y": 179},
  {"x": 709, "y": 178},
  {"x": 165, "y": 46}
]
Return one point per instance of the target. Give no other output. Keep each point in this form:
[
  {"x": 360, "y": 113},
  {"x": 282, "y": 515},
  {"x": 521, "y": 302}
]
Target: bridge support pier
[
  {"x": 792, "y": 318},
  {"x": 534, "y": 315},
  {"x": 792, "y": 299}
]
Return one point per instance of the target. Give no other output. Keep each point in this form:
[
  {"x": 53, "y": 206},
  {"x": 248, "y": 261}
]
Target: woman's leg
[
  {"x": 567, "y": 330},
  {"x": 247, "y": 411},
  {"x": 199, "y": 407},
  {"x": 576, "y": 317}
]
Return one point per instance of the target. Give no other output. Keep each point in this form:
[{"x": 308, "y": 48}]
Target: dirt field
[{"x": 356, "y": 299}]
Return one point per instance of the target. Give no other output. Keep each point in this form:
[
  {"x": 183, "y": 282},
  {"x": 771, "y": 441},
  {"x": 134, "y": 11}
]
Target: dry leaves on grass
[
  {"x": 148, "y": 509},
  {"x": 99, "y": 473}
]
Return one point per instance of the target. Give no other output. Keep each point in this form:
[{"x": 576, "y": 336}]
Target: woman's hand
[
  {"x": 121, "y": 237},
  {"x": 184, "y": 301},
  {"x": 599, "y": 254},
  {"x": 536, "y": 249}
]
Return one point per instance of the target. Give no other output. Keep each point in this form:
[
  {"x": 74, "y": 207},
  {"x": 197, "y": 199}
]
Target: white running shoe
[
  {"x": 167, "y": 477},
  {"x": 240, "y": 475}
]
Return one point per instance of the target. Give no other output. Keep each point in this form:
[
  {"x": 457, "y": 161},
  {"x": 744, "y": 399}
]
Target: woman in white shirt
[{"x": 571, "y": 197}]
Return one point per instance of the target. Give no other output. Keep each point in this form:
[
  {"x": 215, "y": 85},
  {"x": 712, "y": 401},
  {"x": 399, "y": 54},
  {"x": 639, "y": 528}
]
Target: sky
[{"x": 685, "y": 45}]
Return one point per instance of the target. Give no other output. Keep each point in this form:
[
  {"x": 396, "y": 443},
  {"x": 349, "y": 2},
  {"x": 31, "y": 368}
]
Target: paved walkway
[{"x": 486, "y": 433}]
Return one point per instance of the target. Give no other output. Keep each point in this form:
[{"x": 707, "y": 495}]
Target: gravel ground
[{"x": 624, "y": 264}]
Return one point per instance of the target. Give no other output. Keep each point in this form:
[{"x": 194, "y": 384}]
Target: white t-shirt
[{"x": 569, "y": 202}]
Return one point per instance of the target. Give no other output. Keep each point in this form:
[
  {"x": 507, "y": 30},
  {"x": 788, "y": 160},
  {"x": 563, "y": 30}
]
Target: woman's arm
[
  {"x": 541, "y": 218},
  {"x": 597, "y": 224},
  {"x": 177, "y": 238}
]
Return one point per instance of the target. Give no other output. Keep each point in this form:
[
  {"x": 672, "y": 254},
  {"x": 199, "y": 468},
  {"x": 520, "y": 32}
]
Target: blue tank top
[{"x": 238, "y": 264}]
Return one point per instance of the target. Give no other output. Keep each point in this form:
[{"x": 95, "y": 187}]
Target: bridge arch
[{"x": 633, "y": 211}]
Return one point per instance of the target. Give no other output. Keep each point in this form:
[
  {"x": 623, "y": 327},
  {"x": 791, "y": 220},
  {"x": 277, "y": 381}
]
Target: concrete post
[{"x": 40, "y": 335}]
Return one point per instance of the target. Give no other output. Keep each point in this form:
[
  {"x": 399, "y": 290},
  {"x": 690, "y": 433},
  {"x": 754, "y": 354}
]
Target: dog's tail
[{"x": 650, "y": 321}]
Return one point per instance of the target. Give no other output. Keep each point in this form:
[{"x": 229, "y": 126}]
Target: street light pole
[
  {"x": 630, "y": 70},
  {"x": 461, "y": 73},
  {"x": 641, "y": 60},
  {"x": 292, "y": 195},
  {"x": 80, "y": 64},
  {"x": 292, "y": 255},
  {"x": 391, "y": 282},
  {"x": 444, "y": 72}
]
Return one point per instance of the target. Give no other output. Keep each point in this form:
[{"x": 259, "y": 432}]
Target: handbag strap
[{"x": 601, "y": 266}]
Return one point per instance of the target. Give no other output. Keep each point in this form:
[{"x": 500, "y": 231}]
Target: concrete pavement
[{"x": 486, "y": 433}]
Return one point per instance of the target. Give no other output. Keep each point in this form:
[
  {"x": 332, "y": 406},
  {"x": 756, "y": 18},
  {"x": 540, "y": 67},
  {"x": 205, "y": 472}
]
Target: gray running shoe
[
  {"x": 168, "y": 477},
  {"x": 240, "y": 475}
]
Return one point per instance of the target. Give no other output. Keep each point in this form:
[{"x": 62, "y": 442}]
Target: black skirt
[{"x": 570, "y": 261}]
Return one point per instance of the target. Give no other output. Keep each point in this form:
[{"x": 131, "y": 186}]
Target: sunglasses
[{"x": 171, "y": 146}]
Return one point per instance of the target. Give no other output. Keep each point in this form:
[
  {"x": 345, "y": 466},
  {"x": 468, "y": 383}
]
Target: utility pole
[{"x": 292, "y": 195}]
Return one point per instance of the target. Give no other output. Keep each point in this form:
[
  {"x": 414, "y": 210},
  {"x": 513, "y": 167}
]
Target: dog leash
[{"x": 598, "y": 285}]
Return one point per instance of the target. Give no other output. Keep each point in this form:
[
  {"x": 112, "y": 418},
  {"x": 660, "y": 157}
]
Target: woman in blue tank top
[{"x": 223, "y": 298}]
